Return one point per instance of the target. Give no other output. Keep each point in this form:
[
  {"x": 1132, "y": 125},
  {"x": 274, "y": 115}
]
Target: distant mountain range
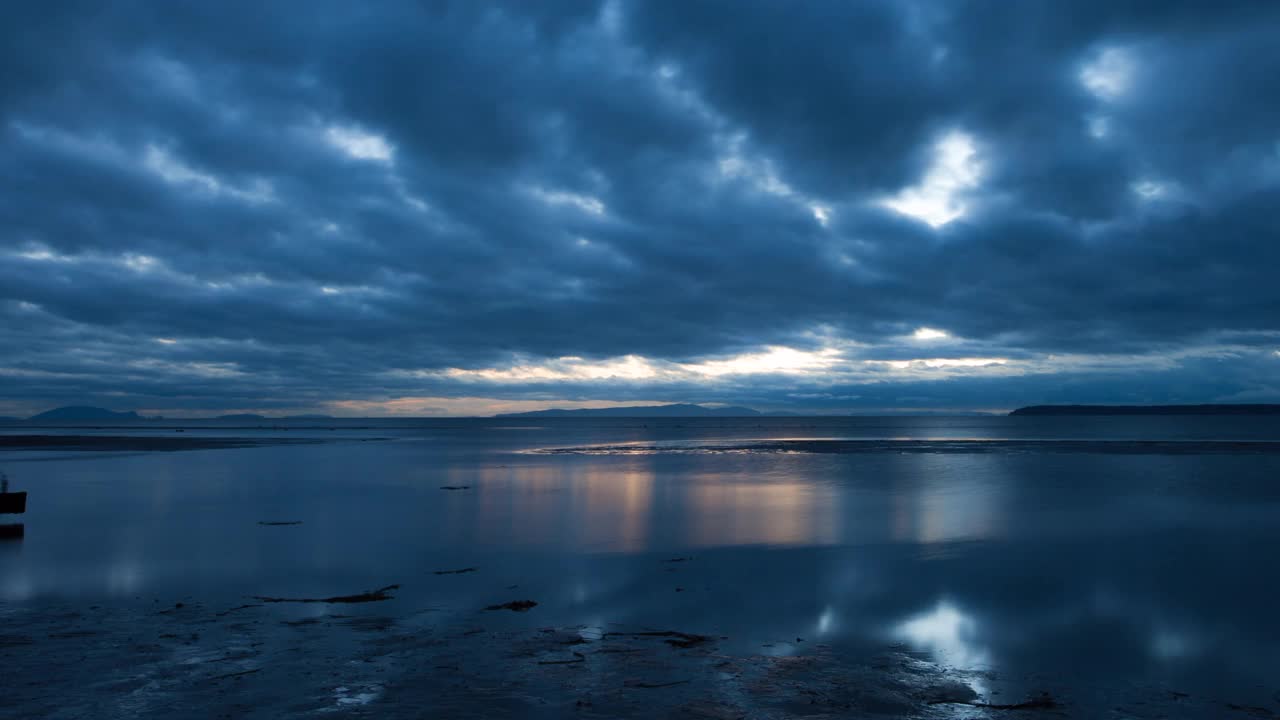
[
  {"x": 83, "y": 412},
  {"x": 1238, "y": 409},
  {"x": 97, "y": 414},
  {"x": 676, "y": 410},
  {"x": 254, "y": 417}
]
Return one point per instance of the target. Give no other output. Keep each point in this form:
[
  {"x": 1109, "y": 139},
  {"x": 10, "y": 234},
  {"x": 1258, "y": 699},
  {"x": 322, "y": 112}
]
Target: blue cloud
[{"x": 291, "y": 206}]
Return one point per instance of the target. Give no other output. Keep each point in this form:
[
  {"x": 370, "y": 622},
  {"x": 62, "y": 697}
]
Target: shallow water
[{"x": 1086, "y": 556}]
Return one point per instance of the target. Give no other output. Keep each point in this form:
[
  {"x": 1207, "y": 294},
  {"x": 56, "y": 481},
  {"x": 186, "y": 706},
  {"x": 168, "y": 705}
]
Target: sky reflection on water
[{"x": 1105, "y": 568}]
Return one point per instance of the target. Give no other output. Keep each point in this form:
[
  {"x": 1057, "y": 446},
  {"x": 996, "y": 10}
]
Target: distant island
[
  {"x": 1237, "y": 409},
  {"x": 676, "y": 410},
  {"x": 83, "y": 412},
  {"x": 254, "y": 417}
]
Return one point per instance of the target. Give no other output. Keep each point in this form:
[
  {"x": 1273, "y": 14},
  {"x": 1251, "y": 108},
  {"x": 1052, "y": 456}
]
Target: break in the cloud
[{"x": 444, "y": 208}]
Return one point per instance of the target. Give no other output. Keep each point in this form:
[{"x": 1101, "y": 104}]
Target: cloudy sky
[{"x": 429, "y": 208}]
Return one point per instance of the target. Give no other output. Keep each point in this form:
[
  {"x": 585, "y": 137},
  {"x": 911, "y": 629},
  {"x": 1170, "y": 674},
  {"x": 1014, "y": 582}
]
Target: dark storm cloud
[{"x": 262, "y": 205}]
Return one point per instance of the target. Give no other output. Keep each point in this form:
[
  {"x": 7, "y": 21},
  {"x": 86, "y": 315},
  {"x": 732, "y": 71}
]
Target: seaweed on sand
[
  {"x": 369, "y": 596},
  {"x": 515, "y": 606}
]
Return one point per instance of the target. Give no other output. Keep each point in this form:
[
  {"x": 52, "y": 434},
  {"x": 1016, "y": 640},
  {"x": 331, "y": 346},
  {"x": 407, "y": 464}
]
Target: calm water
[{"x": 1074, "y": 549}]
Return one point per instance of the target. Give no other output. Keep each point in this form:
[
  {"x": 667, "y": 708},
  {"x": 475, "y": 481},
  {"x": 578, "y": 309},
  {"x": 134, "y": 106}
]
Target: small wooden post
[{"x": 14, "y": 503}]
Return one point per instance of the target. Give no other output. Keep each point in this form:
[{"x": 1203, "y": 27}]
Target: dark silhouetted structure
[{"x": 1255, "y": 409}]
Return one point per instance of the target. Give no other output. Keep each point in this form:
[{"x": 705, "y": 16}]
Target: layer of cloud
[{"x": 332, "y": 207}]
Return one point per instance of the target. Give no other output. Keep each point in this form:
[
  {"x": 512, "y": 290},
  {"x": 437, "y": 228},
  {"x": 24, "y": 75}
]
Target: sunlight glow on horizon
[
  {"x": 832, "y": 362},
  {"x": 775, "y": 359},
  {"x": 465, "y": 406}
]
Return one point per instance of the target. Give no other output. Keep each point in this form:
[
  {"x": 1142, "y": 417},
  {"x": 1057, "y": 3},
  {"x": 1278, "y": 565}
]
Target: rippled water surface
[{"x": 1089, "y": 554}]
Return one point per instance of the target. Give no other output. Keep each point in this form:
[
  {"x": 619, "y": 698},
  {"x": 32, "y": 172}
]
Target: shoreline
[{"x": 125, "y": 443}]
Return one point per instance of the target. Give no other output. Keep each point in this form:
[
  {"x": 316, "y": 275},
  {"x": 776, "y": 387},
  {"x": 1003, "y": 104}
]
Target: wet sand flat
[
  {"x": 193, "y": 659},
  {"x": 196, "y": 659},
  {"x": 783, "y": 571}
]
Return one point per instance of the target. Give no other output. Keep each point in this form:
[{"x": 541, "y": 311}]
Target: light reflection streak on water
[
  {"x": 945, "y": 504},
  {"x": 617, "y": 509},
  {"x": 951, "y": 636},
  {"x": 975, "y": 556},
  {"x": 948, "y": 633},
  {"x": 746, "y": 513},
  {"x": 625, "y": 506}
]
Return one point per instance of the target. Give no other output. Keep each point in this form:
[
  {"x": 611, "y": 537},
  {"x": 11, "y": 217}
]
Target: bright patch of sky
[
  {"x": 174, "y": 171},
  {"x": 42, "y": 254},
  {"x": 586, "y": 203},
  {"x": 736, "y": 163},
  {"x": 835, "y": 363},
  {"x": 771, "y": 360},
  {"x": 1109, "y": 74},
  {"x": 450, "y": 406},
  {"x": 351, "y": 290},
  {"x": 1149, "y": 189},
  {"x": 137, "y": 262},
  {"x": 928, "y": 333},
  {"x": 359, "y": 144},
  {"x": 775, "y": 359},
  {"x": 824, "y": 375},
  {"x": 939, "y": 198}
]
